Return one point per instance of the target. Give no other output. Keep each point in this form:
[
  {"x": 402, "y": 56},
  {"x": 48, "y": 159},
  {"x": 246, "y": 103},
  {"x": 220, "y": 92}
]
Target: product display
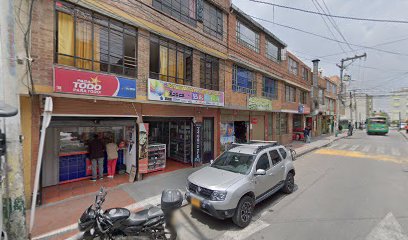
[
  {"x": 180, "y": 141},
  {"x": 157, "y": 157}
]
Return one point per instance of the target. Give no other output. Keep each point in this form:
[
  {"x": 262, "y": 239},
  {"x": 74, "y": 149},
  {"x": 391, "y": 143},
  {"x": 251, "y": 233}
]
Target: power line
[
  {"x": 330, "y": 15},
  {"x": 327, "y": 38}
]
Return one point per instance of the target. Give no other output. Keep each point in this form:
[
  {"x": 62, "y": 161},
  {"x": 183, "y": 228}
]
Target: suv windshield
[{"x": 234, "y": 162}]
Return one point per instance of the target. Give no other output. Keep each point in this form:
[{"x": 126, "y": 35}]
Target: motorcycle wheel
[{"x": 167, "y": 233}]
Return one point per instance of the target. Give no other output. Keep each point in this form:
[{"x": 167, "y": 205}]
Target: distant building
[
  {"x": 361, "y": 107},
  {"x": 399, "y": 105}
]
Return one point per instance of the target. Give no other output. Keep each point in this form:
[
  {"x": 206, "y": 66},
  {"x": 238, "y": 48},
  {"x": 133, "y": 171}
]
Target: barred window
[
  {"x": 213, "y": 20},
  {"x": 272, "y": 51},
  {"x": 247, "y": 37},
  {"x": 170, "y": 61},
  {"x": 290, "y": 94},
  {"x": 184, "y": 10},
  {"x": 243, "y": 80},
  {"x": 303, "y": 97},
  {"x": 87, "y": 40},
  {"x": 270, "y": 88},
  {"x": 292, "y": 66},
  {"x": 305, "y": 74},
  {"x": 209, "y": 72}
]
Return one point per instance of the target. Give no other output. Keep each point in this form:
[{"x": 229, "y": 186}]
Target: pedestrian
[
  {"x": 309, "y": 135},
  {"x": 96, "y": 150},
  {"x": 306, "y": 134},
  {"x": 112, "y": 153},
  {"x": 350, "y": 129}
]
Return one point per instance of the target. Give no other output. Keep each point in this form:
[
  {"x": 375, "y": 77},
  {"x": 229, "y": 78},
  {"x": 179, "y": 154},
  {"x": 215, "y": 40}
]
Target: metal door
[{"x": 208, "y": 139}]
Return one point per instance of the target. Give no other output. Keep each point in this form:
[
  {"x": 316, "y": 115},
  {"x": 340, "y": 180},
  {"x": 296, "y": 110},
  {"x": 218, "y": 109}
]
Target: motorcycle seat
[{"x": 138, "y": 218}]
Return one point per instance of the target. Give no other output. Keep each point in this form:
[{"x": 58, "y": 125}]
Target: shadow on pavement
[{"x": 227, "y": 224}]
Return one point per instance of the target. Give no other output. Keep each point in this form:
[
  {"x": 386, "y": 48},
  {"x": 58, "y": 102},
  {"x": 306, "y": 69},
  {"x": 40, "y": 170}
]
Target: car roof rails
[{"x": 260, "y": 148}]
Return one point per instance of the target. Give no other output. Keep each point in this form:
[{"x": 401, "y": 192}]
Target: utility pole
[
  {"x": 340, "y": 94},
  {"x": 351, "y": 108}
]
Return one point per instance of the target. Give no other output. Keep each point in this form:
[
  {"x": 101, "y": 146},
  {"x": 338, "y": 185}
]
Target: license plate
[{"x": 195, "y": 202}]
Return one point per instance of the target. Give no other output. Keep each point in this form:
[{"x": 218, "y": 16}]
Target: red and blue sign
[{"x": 94, "y": 84}]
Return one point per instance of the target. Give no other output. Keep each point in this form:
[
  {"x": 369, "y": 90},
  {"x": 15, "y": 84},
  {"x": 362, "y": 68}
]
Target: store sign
[
  {"x": 261, "y": 104},
  {"x": 93, "y": 84},
  {"x": 172, "y": 92},
  {"x": 143, "y": 147},
  {"x": 197, "y": 143},
  {"x": 306, "y": 110},
  {"x": 301, "y": 108}
]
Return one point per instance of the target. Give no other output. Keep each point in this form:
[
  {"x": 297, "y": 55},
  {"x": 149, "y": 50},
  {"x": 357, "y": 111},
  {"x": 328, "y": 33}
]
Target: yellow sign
[{"x": 261, "y": 104}]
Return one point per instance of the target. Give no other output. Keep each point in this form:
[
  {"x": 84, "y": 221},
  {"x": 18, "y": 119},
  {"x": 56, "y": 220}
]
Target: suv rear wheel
[
  {"x": 289, "y": 185},
  {"x": 243, "y": 214}
]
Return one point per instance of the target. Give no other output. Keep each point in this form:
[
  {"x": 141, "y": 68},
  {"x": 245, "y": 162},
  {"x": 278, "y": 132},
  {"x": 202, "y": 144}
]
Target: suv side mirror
[
  {"x": 260, "y": 172},
  {"x": 211, "y": 162}
]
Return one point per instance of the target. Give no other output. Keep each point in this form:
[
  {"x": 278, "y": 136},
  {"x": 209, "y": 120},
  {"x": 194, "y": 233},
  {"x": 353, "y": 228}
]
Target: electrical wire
[{"x": 331, "y": 15}]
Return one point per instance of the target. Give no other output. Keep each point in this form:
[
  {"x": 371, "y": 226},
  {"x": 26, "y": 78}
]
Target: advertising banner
[
  {"x": 172, "y": 92},
  {"x": 227, "y": 135},
  {"x": 143, "y": 147},
  {"x": 93, "y": 84},
  {"x": 261, "y": 104},
  {"x": 197, "y": 143}
]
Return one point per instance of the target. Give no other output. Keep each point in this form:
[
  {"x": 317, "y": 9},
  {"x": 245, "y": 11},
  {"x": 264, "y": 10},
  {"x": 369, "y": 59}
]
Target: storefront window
[
  {"x": 170, "y": 61},
  {"x": 90, "y": 41}
]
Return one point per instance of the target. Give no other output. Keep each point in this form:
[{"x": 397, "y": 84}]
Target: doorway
[
  {"x": 208, "y": 139},
  {"x": 241, "y": 131}
]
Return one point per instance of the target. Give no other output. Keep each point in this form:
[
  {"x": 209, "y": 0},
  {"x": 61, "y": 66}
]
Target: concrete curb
[
  {"x": 404, "y": 135},
  {"x": 152, "y": 201},
  {"x": 318, "y": 147}
]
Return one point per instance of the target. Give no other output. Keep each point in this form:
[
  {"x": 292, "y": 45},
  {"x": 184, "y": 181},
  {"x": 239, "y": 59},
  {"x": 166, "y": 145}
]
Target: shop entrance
[
  {"x": 170, "y": 143},
  {"x": 208, "y": 139},
  {"x": 241, "y": 131},
  {"x": 66, "y": 165}
]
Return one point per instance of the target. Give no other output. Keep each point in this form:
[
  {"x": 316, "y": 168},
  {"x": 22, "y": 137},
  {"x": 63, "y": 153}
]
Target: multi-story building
[
  {"x": 191, "y": 76},
  {"x": 399, "y": 105}
]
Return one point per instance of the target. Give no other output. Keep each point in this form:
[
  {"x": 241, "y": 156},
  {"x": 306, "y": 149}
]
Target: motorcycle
[{"x": 118, "y": 223}]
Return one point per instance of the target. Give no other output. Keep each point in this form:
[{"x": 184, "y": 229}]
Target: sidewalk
[{"x": 59, "y": 220}]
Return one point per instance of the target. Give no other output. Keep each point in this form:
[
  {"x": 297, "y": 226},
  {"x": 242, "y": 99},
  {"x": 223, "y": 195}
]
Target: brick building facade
[{"x": 228, "y": 76}]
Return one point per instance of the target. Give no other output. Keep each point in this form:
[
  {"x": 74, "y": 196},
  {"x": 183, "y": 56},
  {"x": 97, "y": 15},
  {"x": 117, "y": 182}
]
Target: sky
[{"x": 379, "y": 73}]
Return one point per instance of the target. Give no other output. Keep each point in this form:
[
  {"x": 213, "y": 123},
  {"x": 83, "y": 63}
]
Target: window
[
  {"x": 283, "y": 153},
  {"x": 263, "y": 162},
  {"x": 292, "y": 66},
  {"x": 290, "y": 93},
  {"x": 334, "y": 89},
  {"x": 170, "y": 61},
  {"x": 213, "y": 20},
  {"x": 209, "y": 72},
  {"x": 321, "y": 96},
  {"x": 90, "y": 41},
  {"x": 305, "y": 74},
  {"x": 328, "y": 87},
  {"x": 184, "y": 10},
  {"x": 270, "y": 88},
  {"x": 243, "y": 80},
  {"x": 247, "y": 37},
  {"x": 275, "y": 157},
  {"x": 282, "y": 123},
  {"x": 272, "y": 51},
  {"x": 303, "y": 97}
]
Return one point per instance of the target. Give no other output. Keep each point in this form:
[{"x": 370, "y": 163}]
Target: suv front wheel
[{"x": 243, "y": 214}]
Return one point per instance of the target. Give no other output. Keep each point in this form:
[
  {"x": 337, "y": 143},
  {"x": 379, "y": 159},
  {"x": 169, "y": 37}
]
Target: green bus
[{"x": 377, "y": 125}]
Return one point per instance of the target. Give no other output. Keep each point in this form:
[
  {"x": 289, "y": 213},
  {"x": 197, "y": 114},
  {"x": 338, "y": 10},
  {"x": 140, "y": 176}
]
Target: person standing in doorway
[
  {"x": 96, "y": 154},
  {"x": 112, "y": 152}
]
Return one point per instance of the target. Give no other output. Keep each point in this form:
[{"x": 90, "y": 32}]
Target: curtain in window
[
  {"x": 243, "y": 78},
  {"x": 65, "y": 38},
  {"x": 192, "y": 8},
  {"x": 83, "y": 44},
  {"x": 172, "y": 65},
  {"x": 163, "y": 63}
]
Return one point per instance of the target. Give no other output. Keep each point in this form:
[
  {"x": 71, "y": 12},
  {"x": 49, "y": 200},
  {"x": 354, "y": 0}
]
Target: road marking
[
  {"x": 354, "y": 147},
  {"x": 366, "y": 148},
  {"x": 343, "y": 146},
  {"x": 238, "y": 234},
  {"x": 380, "y": 150},
  {"x": 388, "y": 229},
  {"x": 356, "y": 154},
  {"x": 395, "y": 152}
]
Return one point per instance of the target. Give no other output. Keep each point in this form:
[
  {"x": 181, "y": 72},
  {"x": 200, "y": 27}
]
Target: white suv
[{"x": 241, "y": 177}]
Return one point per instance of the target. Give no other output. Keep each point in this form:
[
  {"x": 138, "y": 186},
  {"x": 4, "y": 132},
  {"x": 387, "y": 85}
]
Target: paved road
[{"x": 355, "y": 189}]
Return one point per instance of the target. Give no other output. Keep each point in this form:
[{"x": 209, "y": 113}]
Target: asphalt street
[{"x": 357, "y": 189}]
